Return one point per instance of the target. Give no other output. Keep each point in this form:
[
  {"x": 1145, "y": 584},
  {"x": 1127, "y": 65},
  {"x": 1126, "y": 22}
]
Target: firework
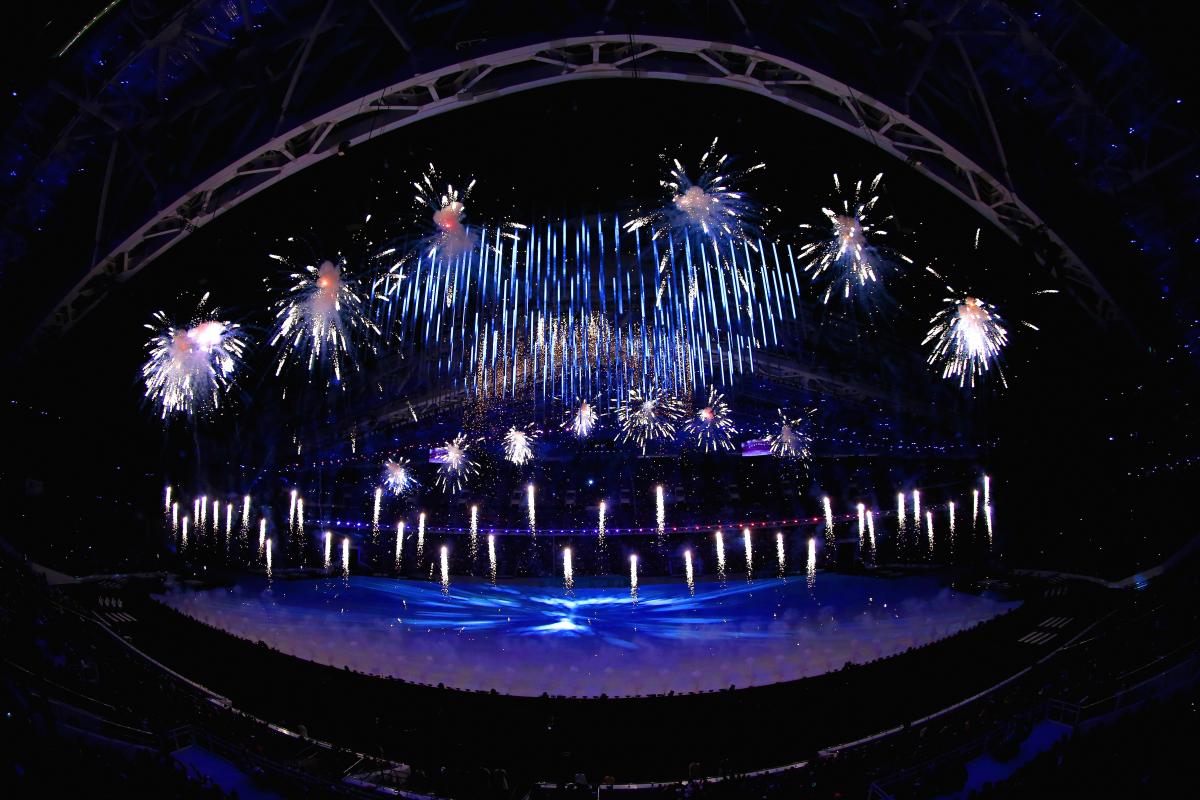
[
  {"x": 846, "y": 261},
  {"x": 328, "y": 549},
  {"x": 568, "y": 570},
  {"x": 531, "y": 508},
  {"x": 660, "y": 511},
  {"x": 711, "y": 204},
  {"x": 445, "y": 559},
  {"x": 345, "y": 556},
  {"x": 583, "y": 420},
  {"x": 398, "y": 476},
  {"x": 687, "y": 571},
  {"x": 450, "y": 237},
  {"x": 779, "y": 553},
  {"x": 456, "y": 466},
  {"x": 749, "y": 553},
  {"x": 492, "y": 556},
  {"x": 793, "y": 441},
  {"x": 320, "y": 320},
  {"x": 711, "y": 427},
  {"x": 189, "y": 368},
  {"x": 518, "y": 444},
  {"x": 633, "y": 583},
  {"x": 830, "y": 537},
  {"x": 648, "y": 418},
  {"x": 967, "y": 337},
  {"x": 810, "y": 565},
  {"x": 719, "y": 541}
]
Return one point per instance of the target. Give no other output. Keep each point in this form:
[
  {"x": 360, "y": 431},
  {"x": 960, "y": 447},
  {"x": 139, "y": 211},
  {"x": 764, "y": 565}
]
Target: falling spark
[
  {"x": 268, "y": 549},
  {"x": 420, "y": 535},
  {"x": 793, "y": 441},
  {"x": 345, "y": 556},
  {"x": 328, "y": 549},
  {"x": 399, "y": 542},
  {"x": 749, "y": 554},
  {"x": 492, "y": 556},
  {"x": 518, "y": 445},
  {"x": 603, "y": 511},
  {"x": 648, "y": 418},
  {"x": 568, "y": 573},
  {"x": 633, "y": 575},
  {"x": 711, "y": 204},
  {"x": 779, "y": 555},
  {"x": 188, "y": 369},
  {"x": 320, "y": 320},
  {"x": 456, "y": 466},
  {"x": 687, "y": 571},
  {"x": 719, "y": 538},
  {"x": 830, "y": 538},
  {"x": 167, "y": 502},
  {"x": 445, "y": 569},
  {"x": 968, "y": 336},
  {"x": 398, "y": 476},
  {"x": 583, "y": 421},
  {"x": 810, "y": 568},
  {"x": 532, "y": 509},
  {"x": 473, "y": 538},
  {"x": 183, "y": 535},
  {"x": 862, "y": 525},
  {"x": 660, "y": 511},
  {"x": 292, "y": 511},
  {"x": 846, "y": 261},
  {"x": 712, "y": 427}
]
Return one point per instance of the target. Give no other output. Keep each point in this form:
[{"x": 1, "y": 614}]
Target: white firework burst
[
  {"x": 455, "y": 466},
  {"x": 451, "y": 237},
  {"x": 846, "y": 260},
  {"x": 321, "y": 320},
  {"x": 967, "y": 337},
  {"x": 711, "y": 204},
  {"x": 583, "y": 420},
  {"x": 518, "y": 444},
  {"x": 648, "y": 418},
  {"x": 189, "y": 367},
  {"x": 398, "y": 476},
  {"x": 793, "y": 439},
  {"x": 712, "y": 427}
]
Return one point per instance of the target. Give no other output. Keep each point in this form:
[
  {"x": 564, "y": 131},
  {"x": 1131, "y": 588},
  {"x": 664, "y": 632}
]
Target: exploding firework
[
  {"x": 450, "y": 237},
  {"x": 455, "y": 467},
  {"x": 846, "y": 261},
  {"x": 320, "y": 320},
  {"x": 518, "y": 444},
  {"x": 968, "y": 336},
  {"x": 398, "y": 476},
  {"x": 583, "y": 420},
  {"x": 793, "y": 440},
  {"x": 648, "y": 418},
  {"x": 711, "y": 204},
  {"x": 712, "y": 427},
  {"x": 189, "y": 368}
]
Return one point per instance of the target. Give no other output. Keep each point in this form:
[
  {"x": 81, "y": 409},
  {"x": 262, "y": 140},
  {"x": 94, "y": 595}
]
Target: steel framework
[{"x": 201, "y": 106}]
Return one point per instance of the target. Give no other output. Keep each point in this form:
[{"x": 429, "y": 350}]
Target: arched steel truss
[{"x": 594, "y": 57}]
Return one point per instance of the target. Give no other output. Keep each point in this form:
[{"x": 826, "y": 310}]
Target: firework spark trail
[
  {"x": 830, "y": 537},
  {"x": 183, "y": 540},
  {"x": 174, "y": 517},
  {"x": 648, "y": 418},
  {"x": 846, "y": 261},
  {"x": 950, "y": 506},
  {"x": 602, "y": 522},
  {"x": 345, "y": 556},
  {"x": 987, "y": 490},
  {"x": 712, "y": 203},
  {"x": 568, "y": 570},
  {"x": 328, "y": 561},
  {"x": 793, "y": 440},
  {"x": 445, "y": 559},
  {"x": 518, "y": 444},
  {"x": 531, "y": 509},
  {"x": 473, "y": 536},
  {"x": 456, "y": 467},
  {"x": 245, "y": 515},
  {"x": 167, "y": 500},
  {"x": 916, "y": 504},
  {"x": 871, "y": 531},
  {"x": 375, "y": 511},
  {"x": 321, "y": 320},
  {"x": 712, "y": 426},
  {"x": 268, "y": 548},
  {"x": 399, "y": 543},
  {"x": 929, "y": 531},
  {"x": 901, "y": 524},
  {"x": 749, "y": 554},
  {"x": 398, "y": 476},
  {"x": 810, "y": 567},
  {"x": 202, "y": 513},
  {"x": 492, "y": 556},
  {"x": 420, "y": 536},
  {"x": 292, "y": 510},
  {"x": 779, "y": 553},
  {"x": 262, "y": 534},
  {"x": 719, "y": 539},
  {"x": 633, "y": 576},
  {"x": 188, "y": 369},
  {"x": 688, "y": 573},
  {"x": 974, "y": 507},
  {"x": 660, "y": 511}
]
